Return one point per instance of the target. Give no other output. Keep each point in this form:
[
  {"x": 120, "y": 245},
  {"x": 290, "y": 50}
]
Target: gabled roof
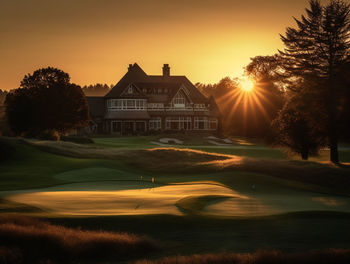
[
  {"x": 137, "y": 76},
  {"x": 134, "y": 74}
]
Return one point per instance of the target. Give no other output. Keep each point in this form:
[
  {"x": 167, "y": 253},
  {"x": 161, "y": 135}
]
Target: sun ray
[{"x": 246, "y": 85}]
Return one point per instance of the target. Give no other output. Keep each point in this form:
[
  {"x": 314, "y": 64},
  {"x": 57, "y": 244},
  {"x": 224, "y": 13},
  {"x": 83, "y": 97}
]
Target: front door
[{"x": 140, "y": 126}]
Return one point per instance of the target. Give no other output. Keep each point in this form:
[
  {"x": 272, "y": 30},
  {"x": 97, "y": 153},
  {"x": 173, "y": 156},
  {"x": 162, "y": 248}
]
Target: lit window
[
  {"x": 178, "y": 123},
  {"x": 155, "y": 123},
  {"x": 201, "y": 123}
]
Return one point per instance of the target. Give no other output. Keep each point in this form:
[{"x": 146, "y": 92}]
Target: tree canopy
[
  {"x": 316, "y": 50},
  {"x": 46, "y": 100}
]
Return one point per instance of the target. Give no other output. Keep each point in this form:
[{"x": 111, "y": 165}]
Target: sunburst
[{"x": 246, "y": 85}]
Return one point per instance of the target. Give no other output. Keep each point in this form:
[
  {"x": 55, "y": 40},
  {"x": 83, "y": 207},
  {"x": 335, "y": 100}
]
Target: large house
[{"x": 140, "y": 103}]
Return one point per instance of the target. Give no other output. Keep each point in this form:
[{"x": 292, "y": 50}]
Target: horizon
[{"x": 95, "y": 42}]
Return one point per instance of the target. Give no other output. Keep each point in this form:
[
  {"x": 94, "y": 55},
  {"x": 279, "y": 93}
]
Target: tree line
[
  {"x": 303, "y": 90},
  {"x": 301, "y": 98},
  {"x": 97, "y": 89}
]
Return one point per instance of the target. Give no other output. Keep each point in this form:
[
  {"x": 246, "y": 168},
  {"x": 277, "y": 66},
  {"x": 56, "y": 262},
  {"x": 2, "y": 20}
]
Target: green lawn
[
  {"x": 236, "y": 209},
  {"x": 254, "y": 149}
]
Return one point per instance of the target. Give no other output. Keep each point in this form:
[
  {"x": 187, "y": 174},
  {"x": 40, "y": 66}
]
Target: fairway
[{"x": 164, "y": 193}]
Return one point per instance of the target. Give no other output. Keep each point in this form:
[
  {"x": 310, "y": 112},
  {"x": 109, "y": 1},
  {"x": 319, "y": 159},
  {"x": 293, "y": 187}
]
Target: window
[
  {"x": 213, "y": 123},
  {"x": 200, "y": 122},
  {"x": 179, "y": 100},
  {"x": 155, "y": 124},
  {"x": 130, "y": 90},
  {"x": 126, "y": 104},
  {"x": 155, "y": 106},
  {"x": 178, "y": 123},
  {"x": 199, "y": 106}
]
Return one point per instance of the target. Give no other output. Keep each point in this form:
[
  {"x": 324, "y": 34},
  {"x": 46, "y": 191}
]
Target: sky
[{"x": 95, "y": 40}]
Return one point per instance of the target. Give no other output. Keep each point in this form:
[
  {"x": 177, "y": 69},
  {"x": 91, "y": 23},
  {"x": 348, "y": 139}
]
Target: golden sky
[{"x": 95, "y": 40}]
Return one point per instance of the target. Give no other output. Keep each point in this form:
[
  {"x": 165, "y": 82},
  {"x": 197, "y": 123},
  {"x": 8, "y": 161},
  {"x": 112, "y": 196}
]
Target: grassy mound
[
  {"x": 34, "y": 241},
  {"x": 189, "y": 161},
  {"x": 330, "y": 256},
  {"x": 195, "y": 204}
]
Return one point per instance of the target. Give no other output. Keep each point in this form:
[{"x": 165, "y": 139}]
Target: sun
[{"x": 246, "y": 85}]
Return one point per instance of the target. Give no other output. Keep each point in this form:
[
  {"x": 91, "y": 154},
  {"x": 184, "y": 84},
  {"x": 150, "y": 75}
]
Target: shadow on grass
[
  {"x": 328, "y": 256},
  {"x": 33, "y": 241}
]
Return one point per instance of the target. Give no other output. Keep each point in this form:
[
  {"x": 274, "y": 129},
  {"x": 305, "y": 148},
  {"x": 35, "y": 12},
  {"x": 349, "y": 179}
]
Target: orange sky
[{"x": 95, "y": 40}]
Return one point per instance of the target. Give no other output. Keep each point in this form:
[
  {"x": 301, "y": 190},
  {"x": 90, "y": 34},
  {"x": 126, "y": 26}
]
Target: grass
[
  {"x": 305, "y": 209},
  {"x": 36, "y": 241},
  {"x": 195, "y": 204},
  {"x": 329, "y": 256},
  {"x": 189, "y": 235},
  {"x": 188, "y": 161}
]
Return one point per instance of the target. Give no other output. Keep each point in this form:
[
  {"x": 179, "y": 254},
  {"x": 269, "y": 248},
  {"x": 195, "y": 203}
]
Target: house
[{"x": 141, "y": 103}]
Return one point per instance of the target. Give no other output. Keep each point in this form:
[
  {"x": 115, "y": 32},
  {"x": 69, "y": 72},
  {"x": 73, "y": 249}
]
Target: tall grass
[
  {"x": 35, "y": 241},
  {"x": 329, "y": 256}
]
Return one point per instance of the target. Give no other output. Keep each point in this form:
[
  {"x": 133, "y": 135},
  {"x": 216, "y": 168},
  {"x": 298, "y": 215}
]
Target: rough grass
[
  {"x": 35, "y": 241},
  {"x": 189, "y": 161},
  {"x": 329, "y": 256}
]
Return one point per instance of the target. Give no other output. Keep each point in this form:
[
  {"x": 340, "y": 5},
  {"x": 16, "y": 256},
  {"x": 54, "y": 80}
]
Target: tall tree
[
  {"x": 300, "y": 125},
  {"x": 316, "y": 49},
  {"x": 46, "y": 100}
]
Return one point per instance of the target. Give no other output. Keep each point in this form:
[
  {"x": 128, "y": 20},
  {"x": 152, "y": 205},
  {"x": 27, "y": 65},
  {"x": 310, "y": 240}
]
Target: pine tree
[{"x": 315, "y": 50}]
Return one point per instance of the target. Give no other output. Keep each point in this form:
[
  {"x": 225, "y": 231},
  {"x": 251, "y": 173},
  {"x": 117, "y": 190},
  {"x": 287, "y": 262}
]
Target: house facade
[{"x": 141, "y": 103}]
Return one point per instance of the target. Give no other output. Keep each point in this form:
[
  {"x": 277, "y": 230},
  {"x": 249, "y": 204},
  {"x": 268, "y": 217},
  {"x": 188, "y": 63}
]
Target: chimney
[
  {"x": 166, "y": 70},
  {"x": 130, "y": 66}
]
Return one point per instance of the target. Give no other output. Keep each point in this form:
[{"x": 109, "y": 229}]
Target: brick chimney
[
  {"x": 130, "y": 66},
  {"x": 166, "y": 70}
]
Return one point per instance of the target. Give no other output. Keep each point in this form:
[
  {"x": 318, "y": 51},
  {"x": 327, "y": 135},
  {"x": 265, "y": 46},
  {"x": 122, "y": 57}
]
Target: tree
[
  {"x": 317, "y": 49},
  {"x": 2, "y": 97},
  {"x": 344, "y": 107},
  {"x": 46, "y": 100},
  {"x": 97, "y": 89},
  {"x": 300, "y": 125}
]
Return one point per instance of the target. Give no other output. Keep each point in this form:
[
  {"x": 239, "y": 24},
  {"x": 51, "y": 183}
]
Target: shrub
[{"x": 10, "y": 255}]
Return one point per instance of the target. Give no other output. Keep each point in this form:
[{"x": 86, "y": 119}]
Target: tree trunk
[
  {"x": 305, "y": 153},
  {"x": 332, "y": 122},
  {"x": 333, "y": 141}
]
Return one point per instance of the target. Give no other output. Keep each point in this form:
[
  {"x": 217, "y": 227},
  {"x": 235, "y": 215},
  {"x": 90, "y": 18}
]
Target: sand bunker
[{"x": 171, "y": 141}]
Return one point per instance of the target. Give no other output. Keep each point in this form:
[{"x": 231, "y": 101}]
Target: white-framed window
[
  {"x": 155, "y": 123},
  {"x": 200, "y": 122},
  {"x": 178, "y": 123},
  {"x": 130, "y": 89},
  {"x": 126, "y": 104},
  {"x": 213, "y": 123},
  {"x": 179, "y": 100},
  {"x": 155, "y": 106},
  {"x": 199, "y": 106}
]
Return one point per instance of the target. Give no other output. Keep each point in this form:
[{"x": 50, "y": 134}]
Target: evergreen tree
[{"x": 317, "y": 49}]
